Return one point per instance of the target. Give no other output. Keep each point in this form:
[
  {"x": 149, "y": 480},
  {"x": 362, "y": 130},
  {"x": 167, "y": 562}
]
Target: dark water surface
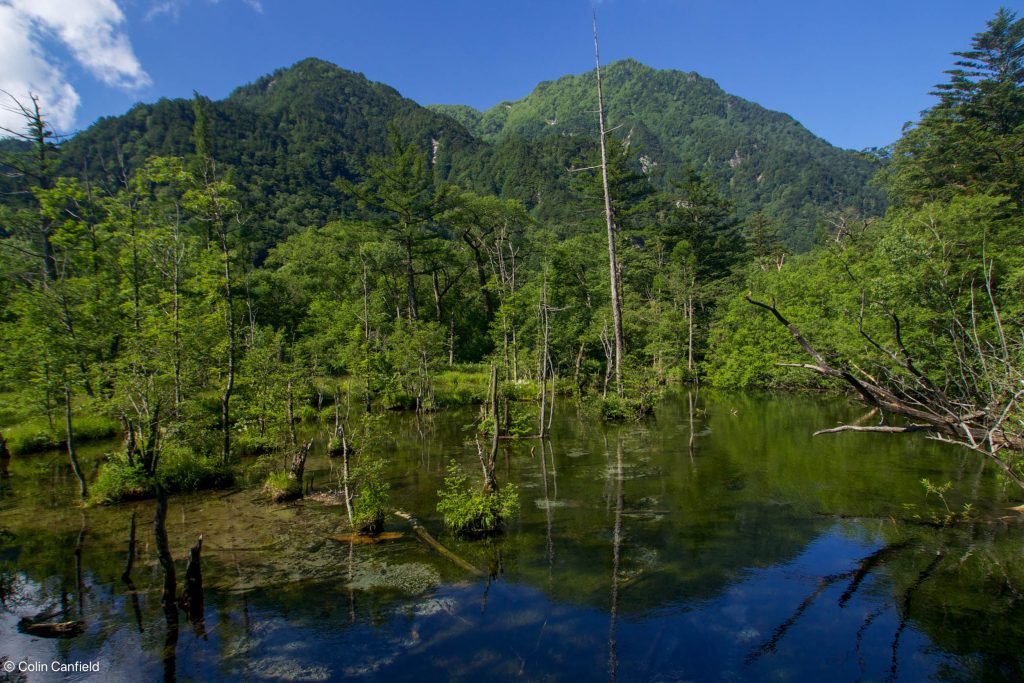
[{"x": 717, "y": 542}]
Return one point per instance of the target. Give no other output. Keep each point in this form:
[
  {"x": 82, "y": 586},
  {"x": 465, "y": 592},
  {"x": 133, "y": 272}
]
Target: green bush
[
  {"x": 472, "y": 512},
  {"x": 372, "y": 497},
  {"x": 614, "y": 408},
  {"x": 249, "y": 442},
  {"x": 118, "y": 481},
  {"x": 522, "y": 390},
  {"x": 281, "y": 487},
  {"x": 178, "y": 469},
  {"x": 181, "y": 469}
]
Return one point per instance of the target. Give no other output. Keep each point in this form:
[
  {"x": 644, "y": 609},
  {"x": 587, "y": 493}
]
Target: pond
[{"x": 718, "y": 541}]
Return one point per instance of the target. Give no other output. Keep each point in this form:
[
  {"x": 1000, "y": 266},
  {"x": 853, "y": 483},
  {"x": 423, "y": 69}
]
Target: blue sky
[{"x": 852, "y": 72}]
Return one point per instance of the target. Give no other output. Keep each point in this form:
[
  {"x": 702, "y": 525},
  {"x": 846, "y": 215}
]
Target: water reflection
[{"x": 718, "y": 541}]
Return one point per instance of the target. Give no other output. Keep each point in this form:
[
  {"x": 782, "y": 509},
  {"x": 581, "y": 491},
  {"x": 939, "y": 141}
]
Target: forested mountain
[
  {"x": 760, "y": 159},
  {"x": 291, "y": 134},
  {"x": 288, "y": 137}
]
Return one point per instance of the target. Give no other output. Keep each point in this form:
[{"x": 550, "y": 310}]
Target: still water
[{"x": 719, "y": 541}]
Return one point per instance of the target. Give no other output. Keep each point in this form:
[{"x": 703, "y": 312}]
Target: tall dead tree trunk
[
  {"x": 488, "y": 460},
  {"x": 298, "y": 467},
  {"x": 83, "y": 489},
  {"x": 545, "y": 336},
  {"x": 613, "y": 264},
  {"x": 229, "y": 386}
]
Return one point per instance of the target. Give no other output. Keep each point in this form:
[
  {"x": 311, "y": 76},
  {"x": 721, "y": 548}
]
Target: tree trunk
[
  {"x": 83, "y": 489},
  {"x": 579, "y": 365},
  {"x": 298, "y": 467},
  {"x": 613, "y": 267},
  {"x": 437, "y": 295},
  {"x": 225, "y": 401},
  {"x": 5, "y": 458},
  {"x": 345, "y": 475},
  {"x": 366, "y": 341},
  {"x": 490, "y": 483},
  {"x": 545, "y": 335},
  {"x": 481, "y": 276},
  {"x": 291, "y": 416},
  {"x": 451, "y": 341},
  {"x": 689, "y": 332},
  {"x": 410, "y": 282},
  {"x": 176, "y": 285}
]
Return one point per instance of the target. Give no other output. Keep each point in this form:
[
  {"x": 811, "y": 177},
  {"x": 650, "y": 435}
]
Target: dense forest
[{"x": 200, "y": 276}]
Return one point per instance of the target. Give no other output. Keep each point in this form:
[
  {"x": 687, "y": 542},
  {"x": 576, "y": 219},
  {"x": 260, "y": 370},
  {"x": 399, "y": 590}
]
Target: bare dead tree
[
  {"x": 613, "y": 263},
  {"x": 981, "y": 411}
]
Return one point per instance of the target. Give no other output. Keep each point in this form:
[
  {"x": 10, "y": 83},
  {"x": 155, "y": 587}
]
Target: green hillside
[
  {"x": 759, "y": 158},
  {"x": 288, "y": 137}
]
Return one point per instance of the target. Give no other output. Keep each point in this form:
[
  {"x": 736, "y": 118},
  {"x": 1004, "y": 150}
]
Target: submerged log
[
  {"x": 434, "y": 545},
  {"x": 362, "y": 539},
  {"x": 62, "y": 629}
]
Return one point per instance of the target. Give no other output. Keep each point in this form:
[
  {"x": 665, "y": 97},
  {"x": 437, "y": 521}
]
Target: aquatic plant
[
  {"x": 469, "y": 511},
  {"x": 372, "y": 499}
]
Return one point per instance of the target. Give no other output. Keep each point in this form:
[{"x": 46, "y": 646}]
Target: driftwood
[
  {"x": 61, "y": 629},
  {"x": 434, "y": 545},
  {"x": 363, "y": 539}
]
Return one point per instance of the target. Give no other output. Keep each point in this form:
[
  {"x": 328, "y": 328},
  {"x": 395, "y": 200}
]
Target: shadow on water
[{"x": 716, "y": 541}]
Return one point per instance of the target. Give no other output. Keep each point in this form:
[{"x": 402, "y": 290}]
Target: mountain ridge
[
  {"x": 763, "y": 159},
  {"x": 291, "y": 133}
]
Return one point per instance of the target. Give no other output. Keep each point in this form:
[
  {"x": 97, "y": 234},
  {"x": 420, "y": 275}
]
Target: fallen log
[
  {"x": 62, "y": 629},
  {"x": 434, "y": 545}
]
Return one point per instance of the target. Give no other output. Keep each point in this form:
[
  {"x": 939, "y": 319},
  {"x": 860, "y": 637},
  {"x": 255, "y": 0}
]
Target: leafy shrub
[
  {"x": 181, "y": 469},
  {"x": 118, "y": 481},
  {"x": 469, "y": 511},
  {"x": 250, "y": 442},
  {"x": 372, "y": 497},
  {"x": 614, "y": 408},
  {"x": 281, "y": 487}
]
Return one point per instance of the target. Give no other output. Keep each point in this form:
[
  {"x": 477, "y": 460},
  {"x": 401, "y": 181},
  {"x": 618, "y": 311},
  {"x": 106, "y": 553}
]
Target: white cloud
[
  {"x": 90, "y": 29},
  {"x": 172, "y": 8},
  {"x": 26, "y": 71},
  {"x": 92, "y": 32}
]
